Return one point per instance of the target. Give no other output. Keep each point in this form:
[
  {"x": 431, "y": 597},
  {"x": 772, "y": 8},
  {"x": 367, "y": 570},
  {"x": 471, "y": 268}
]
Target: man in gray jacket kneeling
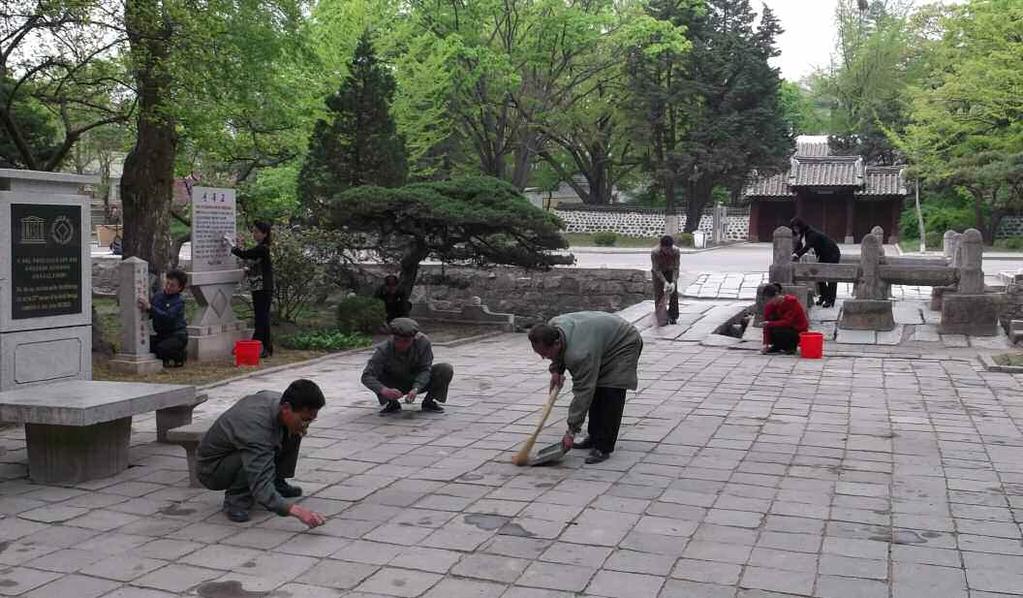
[{"x": 252, "y": 449}]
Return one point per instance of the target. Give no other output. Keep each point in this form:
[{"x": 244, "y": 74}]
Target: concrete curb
[{"x": 991, "y": 366}]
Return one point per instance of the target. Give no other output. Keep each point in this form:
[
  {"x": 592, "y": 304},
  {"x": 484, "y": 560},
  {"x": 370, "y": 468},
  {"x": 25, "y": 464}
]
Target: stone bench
[
  {"x": 189, "y": 437},
  {"x": 80, "y": 430}
]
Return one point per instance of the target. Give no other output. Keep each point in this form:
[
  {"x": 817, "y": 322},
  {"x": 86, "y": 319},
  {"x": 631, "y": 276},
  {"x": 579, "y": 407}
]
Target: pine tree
[
  {"x": 710, "y": 116},
  {"x": 360, "y": 144}
]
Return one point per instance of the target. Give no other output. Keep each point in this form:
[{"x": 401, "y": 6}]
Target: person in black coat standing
[
  {"x": 259, "y": 273},
  {"x": 825, "y": 249}
]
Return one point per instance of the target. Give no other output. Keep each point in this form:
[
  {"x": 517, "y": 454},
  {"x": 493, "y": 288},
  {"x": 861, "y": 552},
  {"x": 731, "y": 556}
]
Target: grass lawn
[
  {"x": 1015, "y": 359},
  {"x": 586, "y": 240}
]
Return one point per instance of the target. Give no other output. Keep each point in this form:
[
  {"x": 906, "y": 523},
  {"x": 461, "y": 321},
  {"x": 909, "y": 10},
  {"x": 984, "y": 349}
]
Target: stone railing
[{"x": 957, "y": 278}]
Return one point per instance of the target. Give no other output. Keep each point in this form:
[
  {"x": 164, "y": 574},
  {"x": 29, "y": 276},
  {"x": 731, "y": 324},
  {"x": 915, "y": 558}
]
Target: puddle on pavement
[
  {"x": 514, "y": 529},
  {"x": 175, "y": 509},
  {"x": 486, "y": 522},
  {"x": 227, "y": 589}
]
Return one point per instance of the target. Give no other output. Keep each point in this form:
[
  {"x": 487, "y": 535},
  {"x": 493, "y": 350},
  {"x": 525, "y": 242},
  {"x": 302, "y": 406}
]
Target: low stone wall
[
  {"x": 638, "y": 222},
  {"x": 1011, "y": 307},
  {"x": 532, "y": 296},
  {"x": 1010, "y": 226}
]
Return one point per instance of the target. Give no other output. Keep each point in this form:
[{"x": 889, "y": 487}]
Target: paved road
[{"x": 737, "y": 475}]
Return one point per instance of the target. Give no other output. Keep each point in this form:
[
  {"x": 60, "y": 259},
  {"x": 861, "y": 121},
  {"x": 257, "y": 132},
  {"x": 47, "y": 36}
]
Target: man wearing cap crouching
[{"x": 402, "y": 368}]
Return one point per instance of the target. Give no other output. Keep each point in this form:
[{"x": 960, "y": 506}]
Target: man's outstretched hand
[
  {"x": 306, "y": 516},
  {"x": 391, "y": 394}
]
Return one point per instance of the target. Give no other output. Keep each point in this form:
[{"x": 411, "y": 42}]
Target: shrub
[
  {"x": 685, "y": 240},
  {"x": 605, "y": 238},
  {"x": 307, "y": 264},
  {"x": 357, "y": 314},
  {"x": 325, "y": 340},
  {"x": 934, "y": 239},
  {"x": 943, "y": 210},
  {"x": 1010, "y": 243}
]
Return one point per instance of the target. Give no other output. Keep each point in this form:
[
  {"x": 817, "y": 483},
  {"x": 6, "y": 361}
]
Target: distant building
[{"x": 836, "y": 194}]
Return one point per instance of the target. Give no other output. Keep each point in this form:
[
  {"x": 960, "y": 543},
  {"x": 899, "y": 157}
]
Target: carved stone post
[{"x": 134, "y": 356}]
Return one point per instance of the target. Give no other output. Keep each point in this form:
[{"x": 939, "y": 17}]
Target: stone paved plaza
[{"x": 737, "y": 475}]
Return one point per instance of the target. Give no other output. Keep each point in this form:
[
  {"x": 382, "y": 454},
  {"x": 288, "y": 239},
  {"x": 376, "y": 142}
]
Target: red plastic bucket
[
  {"x": 811, "y": 345},
  {"x": 247, "y": 352}
]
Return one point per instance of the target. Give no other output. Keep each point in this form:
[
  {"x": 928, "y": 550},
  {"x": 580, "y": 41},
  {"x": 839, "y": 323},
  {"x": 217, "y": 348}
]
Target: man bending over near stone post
[
  {"x": 601, "y": 351},
  {"x": 402, "y": 368},
  {"x": 253, "y": 447},
  {"x": 666, "y": 261}
]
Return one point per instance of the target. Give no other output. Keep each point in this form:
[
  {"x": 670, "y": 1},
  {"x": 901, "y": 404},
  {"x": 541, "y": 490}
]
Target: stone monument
[
  {"x": 870, "y": 308},
  {"x": 215, "y": 275},
  {"x": 134, "y": 356},
  {"x": 45, "y": 278}
]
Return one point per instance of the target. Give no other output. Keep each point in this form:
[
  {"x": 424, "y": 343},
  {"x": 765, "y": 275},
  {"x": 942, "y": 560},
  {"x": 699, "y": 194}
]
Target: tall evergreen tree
[
  {"x": 359, "y": 144},
  {"x": 710, "y": 116}
]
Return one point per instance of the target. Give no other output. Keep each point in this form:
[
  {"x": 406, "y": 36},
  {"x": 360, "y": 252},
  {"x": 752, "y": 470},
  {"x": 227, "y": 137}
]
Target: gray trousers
[
  {"x": 436, "y": 390},
  {"x": 228, "y": 474}
]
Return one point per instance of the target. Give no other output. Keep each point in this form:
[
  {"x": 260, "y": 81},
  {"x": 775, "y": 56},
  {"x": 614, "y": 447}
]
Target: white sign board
[{"x": 213, "y": 216}]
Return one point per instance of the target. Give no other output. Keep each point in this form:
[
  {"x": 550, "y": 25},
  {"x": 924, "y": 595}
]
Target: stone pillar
[
  {"x": 871, "y": 309},
  {"x": 971, "y": 268},
  {"x": 214, "y": 277},
  {"x": 886, "y": 288},
  {"x": 850, "y": 215},
  {"x": 134, "y": 356},
  {"x": 969, "y": 310},
  {"x": 781, "y": 264},
  {"x": 948, "y": 244}
]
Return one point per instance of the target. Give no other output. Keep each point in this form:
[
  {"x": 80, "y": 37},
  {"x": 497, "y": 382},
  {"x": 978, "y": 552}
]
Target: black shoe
[
  {"x": 265, "y": 354},
  {"x": 432, "y": 406},
  {"x": 597, "y": 456},
  {"x": 391, "y": 407},
  {"x": 672, "y": 321},
  {"x": 584, "y": 444},
  {"x": 773, "y": 350},
  {"x": 237, "y": 515},
  {"x": 286, "y": 490}
]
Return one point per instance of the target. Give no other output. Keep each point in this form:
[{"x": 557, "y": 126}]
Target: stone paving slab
[{"x": 736, "y": 475}]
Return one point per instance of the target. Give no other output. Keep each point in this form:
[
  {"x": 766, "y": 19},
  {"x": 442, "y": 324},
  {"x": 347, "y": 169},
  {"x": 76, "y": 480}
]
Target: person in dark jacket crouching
[
  {"x": 252, "y": 449},
  {"x": 167, "y": 310}
]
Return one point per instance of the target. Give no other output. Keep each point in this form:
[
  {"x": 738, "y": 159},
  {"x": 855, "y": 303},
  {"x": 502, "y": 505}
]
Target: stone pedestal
[
  {"x": 867, "y": 314},
  {"x": 969, "y": 314},
  {"x": 134, "y": 356},
  {"x": 215, "y": 330},
  {"x": 72, "y": 454},
  {"x": 801, "y": 292}
]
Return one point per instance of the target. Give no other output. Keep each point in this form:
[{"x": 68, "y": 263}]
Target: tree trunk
[
  {"x": 697, "y": 196},
  {"x": 147, "y": 184},
  {"x": 409, "y": 267}
]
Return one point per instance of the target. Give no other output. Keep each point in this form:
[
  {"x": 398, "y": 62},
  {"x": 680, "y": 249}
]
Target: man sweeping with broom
[{"x": 601, "y": 351}]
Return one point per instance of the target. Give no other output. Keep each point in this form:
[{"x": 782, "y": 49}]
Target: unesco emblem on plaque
[
  {"x": 32, "y": 231},
  {"x": 62, "y": 231}
]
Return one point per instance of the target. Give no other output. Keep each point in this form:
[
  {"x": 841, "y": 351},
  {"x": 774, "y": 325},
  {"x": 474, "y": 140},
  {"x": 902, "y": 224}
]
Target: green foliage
[
  {"x": 39, "y": 131},
  {"x": 934, "y": 240},
  {"x": 325, "y": 340},
  {"x": 685, "y": 240},
  {"x": 965, "y": 125},
  {"x": 605, "y": 238},
  {"x": 271, "y": 194},
  {"x": 308, "y": 263},
  {"x": 1010, "y": 243},
  {"x": 709, "y": 116},
  {"x": 943, "y": 210},
  {"x": 801, "y": 110},
  {"x": 359, "y": 143},
  {"x": 476, "y": 220},
  {"x": 357, "y": 314}
]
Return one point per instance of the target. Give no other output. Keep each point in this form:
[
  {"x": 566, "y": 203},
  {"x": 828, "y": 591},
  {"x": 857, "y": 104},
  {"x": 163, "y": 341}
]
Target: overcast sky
[{"x": 809, "y": 36}]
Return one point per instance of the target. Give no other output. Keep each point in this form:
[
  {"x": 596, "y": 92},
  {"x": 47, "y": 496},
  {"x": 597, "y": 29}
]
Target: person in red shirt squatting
[{"x": 784, "y": 319}]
